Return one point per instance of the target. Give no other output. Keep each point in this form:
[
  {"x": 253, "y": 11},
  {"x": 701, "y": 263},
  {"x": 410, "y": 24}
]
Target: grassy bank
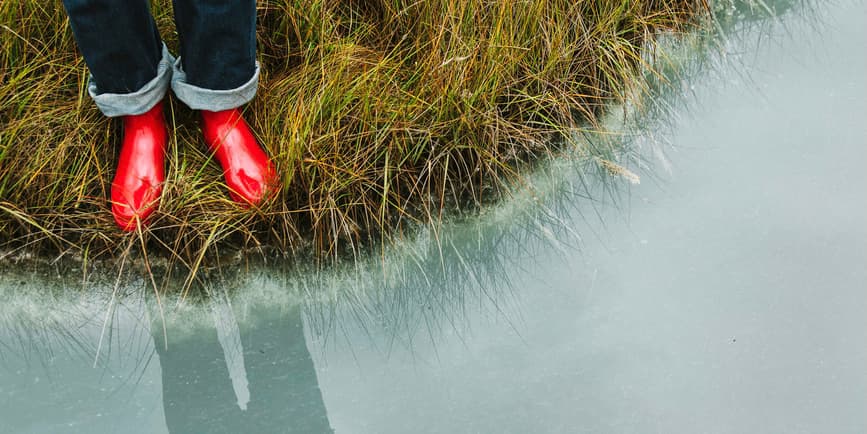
[{"x": 380, "y": 114}]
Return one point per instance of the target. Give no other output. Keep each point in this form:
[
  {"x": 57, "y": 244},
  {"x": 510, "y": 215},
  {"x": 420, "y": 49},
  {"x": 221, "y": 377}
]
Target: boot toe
[
  {"x": 250, "y": 175},
  {"x": 129, "y": 210},
  {"x": 252, "y": 189}
]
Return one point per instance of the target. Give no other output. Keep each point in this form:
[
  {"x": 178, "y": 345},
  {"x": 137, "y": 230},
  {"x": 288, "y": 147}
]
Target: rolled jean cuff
[
  {"x": 140, "y": 101},
  {"x": 198, "y": 98}
]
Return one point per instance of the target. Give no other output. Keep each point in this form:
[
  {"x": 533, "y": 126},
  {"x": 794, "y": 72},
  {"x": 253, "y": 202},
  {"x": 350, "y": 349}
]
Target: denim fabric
[
  {"x": 120, "y": 43},
  {"x": 140, "y": 101},
  {"x": 218, "y": 41},
  {"x": 198, "y": 98}
]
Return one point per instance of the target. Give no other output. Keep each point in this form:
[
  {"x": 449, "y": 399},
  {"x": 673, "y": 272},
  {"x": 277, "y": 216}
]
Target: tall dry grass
[{"x": 380, "y": 114}]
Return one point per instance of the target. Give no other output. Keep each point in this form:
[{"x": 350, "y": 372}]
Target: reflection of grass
[
  {"x": 380, "y": 113},
  {"x": 48, "y": 325},
  {"x": 416, "y": 288}
]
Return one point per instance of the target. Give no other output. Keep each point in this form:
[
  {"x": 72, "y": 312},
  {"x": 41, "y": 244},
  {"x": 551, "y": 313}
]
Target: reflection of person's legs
[
  {"x": 217, "y": 73},
  {"x": 197, "y": 391},
  {"x": 284, "y": 388},
  {"x": 255, "y": 375},
  {"x": 130, "y": 74}
]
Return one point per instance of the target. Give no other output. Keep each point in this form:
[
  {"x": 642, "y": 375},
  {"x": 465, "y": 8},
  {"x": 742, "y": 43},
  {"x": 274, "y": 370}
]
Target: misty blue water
[{"x": 724, "y": 293}]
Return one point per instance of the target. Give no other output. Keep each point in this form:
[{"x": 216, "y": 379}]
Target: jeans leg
[
  {"x": 217, "y": 67},
  {"x": 123, "y": 51}
]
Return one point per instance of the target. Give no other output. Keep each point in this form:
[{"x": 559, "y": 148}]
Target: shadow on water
[
  {"x": 234, "y": 357},
  {"x": 109, "y": 357},
  {"x": 238, "y": 376},
  {"x": 61, "y": 369}
]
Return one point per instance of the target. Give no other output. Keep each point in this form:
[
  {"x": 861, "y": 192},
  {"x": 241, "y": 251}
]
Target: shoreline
[{"x": 374, "y": 134}]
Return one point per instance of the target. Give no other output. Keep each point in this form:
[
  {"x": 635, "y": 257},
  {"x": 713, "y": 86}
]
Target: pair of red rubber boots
[{"x": 135, "y": 192}]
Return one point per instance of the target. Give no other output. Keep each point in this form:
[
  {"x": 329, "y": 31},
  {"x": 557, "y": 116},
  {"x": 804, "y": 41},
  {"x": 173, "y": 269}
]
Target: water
[{"x": 725, "y": 295}]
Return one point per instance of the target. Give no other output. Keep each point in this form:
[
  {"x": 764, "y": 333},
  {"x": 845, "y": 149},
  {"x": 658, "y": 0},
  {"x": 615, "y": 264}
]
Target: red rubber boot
[
  {"x": 250, "y": 174},
  {"x": 138, "y": 181}
]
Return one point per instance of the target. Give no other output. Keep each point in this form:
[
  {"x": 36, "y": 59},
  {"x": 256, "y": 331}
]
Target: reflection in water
[
  {"x": 226, "y": 368},
  {"x": 50, "y": 377},
  {"x": 252, "y": 376},
  {"x": 238, "y": 360}
]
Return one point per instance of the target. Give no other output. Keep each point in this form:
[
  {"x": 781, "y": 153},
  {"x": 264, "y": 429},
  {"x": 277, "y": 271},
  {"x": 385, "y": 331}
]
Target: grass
[{"x": 381, "y": 115}]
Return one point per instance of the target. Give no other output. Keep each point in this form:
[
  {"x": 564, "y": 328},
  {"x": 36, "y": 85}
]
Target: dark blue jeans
[{"x": 123, "y": 50}]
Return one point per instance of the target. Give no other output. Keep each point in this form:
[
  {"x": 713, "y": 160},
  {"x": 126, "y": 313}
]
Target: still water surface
[{"x": 724, "y": 294}]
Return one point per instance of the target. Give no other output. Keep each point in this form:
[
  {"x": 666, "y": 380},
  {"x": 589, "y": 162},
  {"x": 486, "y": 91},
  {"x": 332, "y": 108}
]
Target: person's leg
[
  {"x": 129, "y": 66},
  {"x": 217, "y": 62},
  {"x": 216, "y": 73},
  {"x": 130, "y": 74}
]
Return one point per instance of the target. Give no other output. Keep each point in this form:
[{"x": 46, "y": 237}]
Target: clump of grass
[{"x": 380, "y": 114}]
